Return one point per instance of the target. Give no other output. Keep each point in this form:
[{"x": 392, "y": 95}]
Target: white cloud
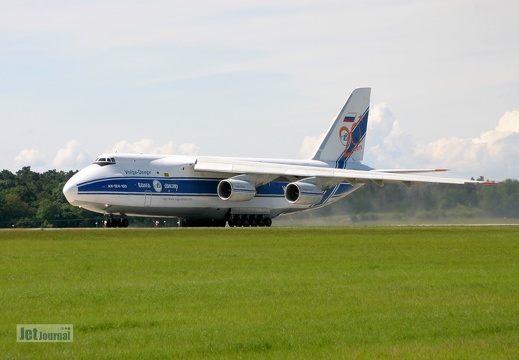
[
  {"x": 386, "y": 141},
  {"x": 509, "y": 122},
  {"x": 147, "y": 146},
  {"x": 71, "y": 157},
  {"x": 381, "y": 118},
  {"x": 492, "y": 152},
  {"x": 30, "y": 157},
  {"x": 496, "y": 148},
  {"x": 188, "y": 149},
  {"x": 310, "y": 143}
]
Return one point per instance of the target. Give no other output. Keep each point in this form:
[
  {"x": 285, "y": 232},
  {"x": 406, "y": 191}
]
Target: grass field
[{"x": 356, "y": 292}]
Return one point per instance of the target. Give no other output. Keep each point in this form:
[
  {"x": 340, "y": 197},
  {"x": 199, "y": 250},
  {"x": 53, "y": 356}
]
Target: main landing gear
[
  {"x": 249, "y": 220},
  {"x": 234, "y": 220},
  {"x": 116, "y": 223}
]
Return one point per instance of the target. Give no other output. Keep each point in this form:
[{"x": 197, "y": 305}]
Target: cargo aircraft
[{"x": 216, "y": 191}]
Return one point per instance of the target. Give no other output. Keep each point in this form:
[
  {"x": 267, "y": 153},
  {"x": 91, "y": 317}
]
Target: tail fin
[{"x": 347, "y": 134}]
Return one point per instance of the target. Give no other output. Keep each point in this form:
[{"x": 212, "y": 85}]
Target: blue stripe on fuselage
[
  {"x": 167, "y": 186},
  {"x": 334, "y": 193},
  {"x": 187, "y": 187}
]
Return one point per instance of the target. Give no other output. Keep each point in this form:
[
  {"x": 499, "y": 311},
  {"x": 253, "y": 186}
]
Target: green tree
[{"x": 48, "y": 213}]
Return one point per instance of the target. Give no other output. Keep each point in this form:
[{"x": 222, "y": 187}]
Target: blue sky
[{"x": 260, "y": 79}]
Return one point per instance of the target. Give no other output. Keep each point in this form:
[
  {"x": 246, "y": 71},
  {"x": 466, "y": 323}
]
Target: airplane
[{"x": 242, "y": 192}]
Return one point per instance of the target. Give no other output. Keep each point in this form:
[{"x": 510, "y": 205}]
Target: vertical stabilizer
[{"x": 345, "y": 139}]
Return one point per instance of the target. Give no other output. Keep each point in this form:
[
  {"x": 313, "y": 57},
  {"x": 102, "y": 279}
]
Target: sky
[{"x": 260, "y": 79}]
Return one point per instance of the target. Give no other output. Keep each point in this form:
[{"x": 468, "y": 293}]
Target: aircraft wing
[
  {"x": 324, "y": 174},
  {"x": 409, "y": 171}
]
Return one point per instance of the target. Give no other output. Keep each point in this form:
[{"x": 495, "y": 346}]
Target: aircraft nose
[{"x": 70, "y": 191}]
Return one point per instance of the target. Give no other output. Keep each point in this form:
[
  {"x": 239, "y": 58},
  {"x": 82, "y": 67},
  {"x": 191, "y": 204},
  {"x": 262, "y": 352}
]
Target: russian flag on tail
[{"x": 349, "y": 118}]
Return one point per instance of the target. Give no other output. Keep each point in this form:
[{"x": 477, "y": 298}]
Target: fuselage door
[{"x": 147, "y": 198}]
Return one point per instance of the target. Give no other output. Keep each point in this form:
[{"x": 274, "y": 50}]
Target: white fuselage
[{"x": 168, "y": 186}]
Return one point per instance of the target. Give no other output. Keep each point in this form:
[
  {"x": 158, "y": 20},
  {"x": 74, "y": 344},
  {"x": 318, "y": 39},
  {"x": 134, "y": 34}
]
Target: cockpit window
[{"x": 104, "y": 161}]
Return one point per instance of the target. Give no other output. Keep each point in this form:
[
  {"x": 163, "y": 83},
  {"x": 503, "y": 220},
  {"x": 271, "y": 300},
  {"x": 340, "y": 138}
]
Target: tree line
[
  {"x": 429, "y": 202},
  {"x": 32, "y": 200},
  {"x": 29, "y": 199}
]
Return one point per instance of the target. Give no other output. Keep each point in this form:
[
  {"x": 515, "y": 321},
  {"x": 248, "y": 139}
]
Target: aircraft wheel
[
  {"x": 261, "y": 222},
  {"x": 125, "y": 223},
  {"x": 268, "y": 222},
  {"x": 231, "y": 222}
]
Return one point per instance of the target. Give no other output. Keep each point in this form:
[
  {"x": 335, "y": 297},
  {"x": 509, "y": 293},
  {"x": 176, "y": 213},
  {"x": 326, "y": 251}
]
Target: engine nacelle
[
  {"x": 302, "y": 193},
  {"x": 236, "y": 190}
]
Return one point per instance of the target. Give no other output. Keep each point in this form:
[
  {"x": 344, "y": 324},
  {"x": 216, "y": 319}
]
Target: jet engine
[
  {"x": 236, "y": 189},
  {"x": 303, "y": 193}
]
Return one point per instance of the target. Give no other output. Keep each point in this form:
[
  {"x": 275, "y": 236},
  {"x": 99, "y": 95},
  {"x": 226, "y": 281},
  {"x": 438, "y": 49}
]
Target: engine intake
[
  {"x": 236, "y": 190},
  {"x": 302, "y": 193}
]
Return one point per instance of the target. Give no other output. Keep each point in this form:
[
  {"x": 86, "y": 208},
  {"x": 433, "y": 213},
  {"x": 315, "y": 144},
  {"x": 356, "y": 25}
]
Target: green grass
[{"x": 356, "y": 292}]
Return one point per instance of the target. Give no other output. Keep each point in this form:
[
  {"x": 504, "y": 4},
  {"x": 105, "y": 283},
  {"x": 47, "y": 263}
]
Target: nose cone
[{"x": 70, "y": 190}]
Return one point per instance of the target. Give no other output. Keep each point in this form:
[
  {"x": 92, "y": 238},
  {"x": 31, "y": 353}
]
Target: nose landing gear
[{"x": 114, "y": 223}]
